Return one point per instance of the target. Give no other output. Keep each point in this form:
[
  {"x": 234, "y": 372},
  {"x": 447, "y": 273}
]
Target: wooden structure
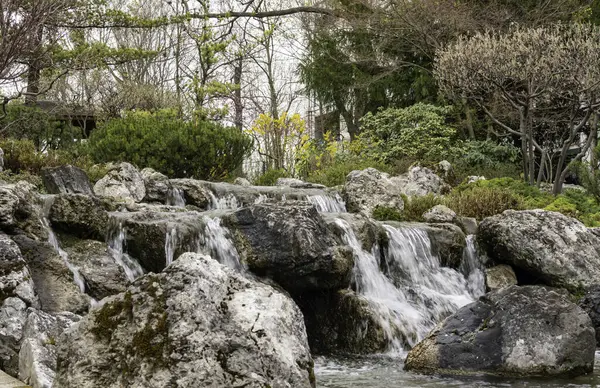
[{"x": 77, "y": 116}]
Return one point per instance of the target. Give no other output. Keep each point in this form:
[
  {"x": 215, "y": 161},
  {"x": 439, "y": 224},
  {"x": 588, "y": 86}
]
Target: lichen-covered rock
[
  {"x": 500, "y": 276},
  {"x": 20, "y": 210},
  {"x": 37, "y": 356},
  {"x": 590, "y": 303},
  {"x": 12, "y": 321},
  {"x": 516, "y": 331},
  {"x": 448, "y": 242},
  {"x": 366, "y": 189},
  {"x": 123, "y": 182},
  {"x": 341, "y": 322},
  {"x": 445, "y": 170},
  {"x": 66, "y": 179},
  {"x": 197, "y": 324},
  {"x": 291, "y": 243},
  {"x": 103, "y": 276},
  {"x": 542, "y": 246},
  {"x": 440, "y": 214},
  {"x": 79, "y": 215},
  {"x": 421, "y": 181},
  {"x": 52, "y": 278},
  {"x": 467, "y": 224},
  {"x": 157, "y": 185},
  {"x": 15, "y": 278},
  {"x": 196, "y": 193}
]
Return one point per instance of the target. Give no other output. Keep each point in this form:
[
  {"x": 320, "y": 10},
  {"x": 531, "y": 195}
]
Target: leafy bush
[
  {"x": 384, "y": 213},
  {"x": 202, "y": 149},
  {"x": 269, "y": 178},
  {"x": 481, "y": 201},
  {"x": 415, "y": 207},
  {"x": 562, "y": 205},
  {"x": 8, "y": 177},
  {"x": 419, "y": 131}
]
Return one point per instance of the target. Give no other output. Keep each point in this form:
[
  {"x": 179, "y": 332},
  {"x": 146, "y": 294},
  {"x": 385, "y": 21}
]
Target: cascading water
[
  {"x": 472, "y": 268},
  {"x": 328, "y": 204},
  {"x": 171, "y": 242},
  {"x": 415, "y": 294},
  {"x": 175, "y": 197},
  {"x": 53, "y": 240},
  {"x": 260, "y": 199},
  {"x": 116, "y": 245},
  {"x": 227, "y": 202},
  {"x": 214, "y": 241}
]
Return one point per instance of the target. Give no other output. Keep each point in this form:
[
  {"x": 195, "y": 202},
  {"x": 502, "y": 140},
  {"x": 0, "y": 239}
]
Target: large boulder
[
  {"x": 79, "y": 215},
  {"x": 590, "y": 303},
  {"x": 197, "y": 324},
  {"x": 66, "y": 179},
  {"x": 366, "y": 189},
  {"x": 50, "y": 275},
  {"x": 102, "y": 275},
  {"x": 157, "y": 185},
  {"x": 196, "y": 193},
  {"x": 517, "y": 331},
  {"x": 123, "y": 182},
  {"x": 341, "y": 322},
  {"x": 37, "y": 355},
  {"x": 440, "y": 214},
  {"x": 21, "y": 209},
  {"x": 15, "y": 278},
  {"x": 543, "y": 247},
  {"x": 421, "y": 181},
  {"x": 12, "y": 320},
  {"x": 291, "y": 243}
]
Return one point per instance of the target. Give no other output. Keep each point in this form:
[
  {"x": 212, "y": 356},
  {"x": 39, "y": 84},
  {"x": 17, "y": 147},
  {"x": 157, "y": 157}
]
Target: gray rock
[
  {"x": 474, "y": 178},
  {"x": 366, "y": 189},
  {"x": 341, "y": 322},
  {"x": 12, "y": 321},
  {"x": 500, "y": 276},
  {"x": 123, "y": 182},
  {"x": 196, "y": 193},
  {"x": 546, "y": 247},
  {"x": 103, "y": 276},
  {"x": 440, "y": 214},
  {"x": 51, "y": 276},
  {"x": 157, "y": 185},
  {"x": 196, "y": 324},
  {"x": 297, "y": 183},
  {"x": 15, "y": 279},
  {"x": 242, "y": 182},
  {"x": 20, "y": 210},
  {"x": 37, "y": 356},
  {"x": 1, "y": 160},
  {"x": 79, "y": 215},
  {"x": 421, "y": 181},
  {"x": 467, "y": 224},
  {"x": 517, "y": 331},
  {"x": 66, "y": 179},
  {"x": 291, "y": 243},
  {"x": 445, "y": 170},
  {"x": 590, "y": 303},
  {"x": 8, "y": 205}
]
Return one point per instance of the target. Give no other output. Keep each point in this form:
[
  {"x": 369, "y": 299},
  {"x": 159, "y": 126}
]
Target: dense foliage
[{"x": 200, "y": 149}]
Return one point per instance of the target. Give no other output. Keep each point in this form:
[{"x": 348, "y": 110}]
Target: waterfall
[
  {"x": 472, "y": 268},
  {"x": 228, "y": 202},
  {"x": 171, "y": 242},
  {"x": 215, "y": 241},
  {"x": 116, "y": 245},
  {"x": 175, "y": 197},
  {"x": 53, "y": 240},
  {"x": 413, "y": 293},
  {"x": 327, "y": 204},
  {"x": 260, "y": 199}
]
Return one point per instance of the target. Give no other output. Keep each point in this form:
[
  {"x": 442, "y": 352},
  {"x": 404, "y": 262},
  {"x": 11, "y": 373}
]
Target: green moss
[{"x": 111, "y": 315}]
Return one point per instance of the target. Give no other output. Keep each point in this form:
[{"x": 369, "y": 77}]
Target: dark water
[{"x": 385, "y": 372}]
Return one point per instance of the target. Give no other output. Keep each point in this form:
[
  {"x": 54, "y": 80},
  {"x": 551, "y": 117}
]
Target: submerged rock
[
  {"x": 79, "y": 215},
  {"x": 500, "y": 276},
  {"x": 197, "y": 324},
  {"x": 543, "y": 248},
  {"x": 517, "y": 331},
  {"x": 123, "y": 182},
  {"x": 66, "y": 179},
  {"x": 291, "y": 243},
  {"x": 366, "y": 189}
]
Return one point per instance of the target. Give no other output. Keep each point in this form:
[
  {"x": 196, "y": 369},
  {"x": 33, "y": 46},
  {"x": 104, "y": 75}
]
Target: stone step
[{"x": 7, "y": 381}]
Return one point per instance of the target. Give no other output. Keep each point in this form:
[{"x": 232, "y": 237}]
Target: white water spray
[
  {"x": 221, "y": 203},
  {"x": 472, "y": 268},
  {"x": 215, "y": 241},
  {"x": 116, "y": 248},
  {"x": 175, "y": 197},
  {"x": 171, "y": 242},
  {"x": 328, "y": 204}
]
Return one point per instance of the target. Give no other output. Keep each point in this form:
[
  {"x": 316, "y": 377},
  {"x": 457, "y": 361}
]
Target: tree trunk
[
  {"x": 238, "y": 105},
  {"x": 34, "y": 70}
]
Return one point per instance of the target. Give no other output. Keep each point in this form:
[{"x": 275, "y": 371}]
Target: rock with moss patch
[
  {"x": 517, "y": 331},
  {"x": 80, "y": 215},
  {"x": 543, "y": 247},
  {"x": 196, "y": 324},
  {"x": 291, "y": 243}
]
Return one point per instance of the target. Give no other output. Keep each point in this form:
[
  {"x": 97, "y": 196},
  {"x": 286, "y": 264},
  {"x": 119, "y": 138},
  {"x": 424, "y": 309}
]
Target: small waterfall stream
[
  {"x": 328, "y": 204},
  {"x": 413, "y": 292},
  {"x": 472, "y": 268},
  {"x": 116, "y": 248},
  {"x": 175, "y": 197},
  {"x": 216, "y": 243}
]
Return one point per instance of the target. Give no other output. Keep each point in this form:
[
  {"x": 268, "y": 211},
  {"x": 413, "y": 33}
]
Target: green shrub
[
  {"x": 8, "y": 177},
  {"x": 415, "y": 207},
  {"x": 562, "y": 205},
  {"x": 202, "y": 149},
  {"x": 481, "y": 201},
  {"x": 419, "y": 131},
  {"x": 335, "y": 173},
  {"x": 384, "y": 213},
  {"x": 269, "y": 178}
]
